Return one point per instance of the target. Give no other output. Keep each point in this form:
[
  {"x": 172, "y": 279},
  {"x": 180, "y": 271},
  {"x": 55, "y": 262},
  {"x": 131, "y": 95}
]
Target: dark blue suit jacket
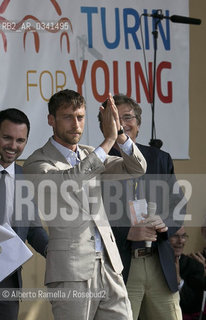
[
  {"x": 32, "y": 231},
  {"x": 192, "y": 272},
  {"x": 158, "y": 163}
]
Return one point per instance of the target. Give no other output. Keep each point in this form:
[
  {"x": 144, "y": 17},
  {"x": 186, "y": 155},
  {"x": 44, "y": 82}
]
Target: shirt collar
[
  {"x": 10, "y": 169},
  {"x": 66, "y": 152}
]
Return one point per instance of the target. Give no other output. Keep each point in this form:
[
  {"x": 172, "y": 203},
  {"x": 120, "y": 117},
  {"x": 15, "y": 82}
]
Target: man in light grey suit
[{"x": 82, "y": 254}]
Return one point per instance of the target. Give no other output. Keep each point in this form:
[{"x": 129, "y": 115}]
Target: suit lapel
[
  {"x": 82, "y": 153},
  {"x": 18, "y": 171},
  {"x": 53, "y": 154}
]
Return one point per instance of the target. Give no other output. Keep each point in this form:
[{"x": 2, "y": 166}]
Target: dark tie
[{"x": 2, "y": 195}]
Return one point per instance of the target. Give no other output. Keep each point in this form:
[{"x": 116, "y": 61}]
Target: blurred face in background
[
  {"x": 178, "y": 241},
  {"x": 128, "y": 121}
]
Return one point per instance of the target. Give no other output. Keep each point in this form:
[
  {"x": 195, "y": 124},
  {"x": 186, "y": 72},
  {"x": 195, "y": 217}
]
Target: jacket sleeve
[
  {"x": 38, "y": 239},
  {"x": 135, "y": 164},
  {"x": 37, "y": 236},
  {"x": 192, "y": 272}
]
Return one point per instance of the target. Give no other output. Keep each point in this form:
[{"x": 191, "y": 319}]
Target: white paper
[
  {"x": 13, "y": 253},
  {"x": 137, "y": 209},
  {"x": 6, "y": 233}
]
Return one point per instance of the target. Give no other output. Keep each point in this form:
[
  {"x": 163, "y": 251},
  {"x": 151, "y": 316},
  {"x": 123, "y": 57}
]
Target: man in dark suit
[
  {"x": 149, "y": 273},
  {"x": 14, "y": 131}
]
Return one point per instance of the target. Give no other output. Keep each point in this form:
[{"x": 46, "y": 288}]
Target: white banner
[{"x": 95, "y": 47}]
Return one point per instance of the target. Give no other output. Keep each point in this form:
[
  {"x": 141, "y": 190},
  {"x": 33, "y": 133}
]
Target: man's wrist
[
  {"x": 122, "y": 138},
  {"x": 107, "y": 144}
]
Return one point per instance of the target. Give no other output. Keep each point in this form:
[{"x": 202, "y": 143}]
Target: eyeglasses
[
  {"x": 180, "y": 236},
  {"x": 127, "y": 118}
]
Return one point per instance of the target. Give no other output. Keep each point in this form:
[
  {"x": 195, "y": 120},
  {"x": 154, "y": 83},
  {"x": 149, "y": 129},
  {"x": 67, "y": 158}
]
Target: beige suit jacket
[{"x": 69, "y": 199}]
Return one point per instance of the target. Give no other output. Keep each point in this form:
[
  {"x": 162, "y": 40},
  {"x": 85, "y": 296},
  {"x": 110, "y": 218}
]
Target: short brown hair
[{"x": 65, "y": 97}]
